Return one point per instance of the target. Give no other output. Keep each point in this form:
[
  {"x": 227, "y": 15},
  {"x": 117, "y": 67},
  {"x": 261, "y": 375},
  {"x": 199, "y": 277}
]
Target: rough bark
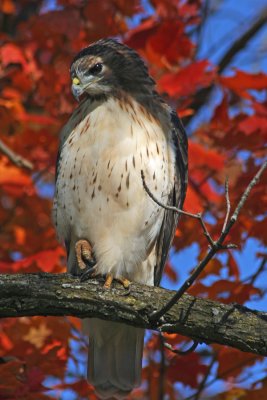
[{"x": 200, "y": 319}]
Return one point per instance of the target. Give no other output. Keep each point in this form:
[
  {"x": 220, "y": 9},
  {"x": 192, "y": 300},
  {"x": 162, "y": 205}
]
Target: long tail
[{"x": 115, "y": 357}]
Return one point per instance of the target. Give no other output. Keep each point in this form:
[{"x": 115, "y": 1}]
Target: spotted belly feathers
[{"x": 104, "y": 149}]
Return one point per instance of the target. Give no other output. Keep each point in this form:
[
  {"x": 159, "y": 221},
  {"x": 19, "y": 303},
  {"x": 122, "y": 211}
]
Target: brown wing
[
  {"x": 65, "y": 132},
  {"x": 176, "y": 196}
]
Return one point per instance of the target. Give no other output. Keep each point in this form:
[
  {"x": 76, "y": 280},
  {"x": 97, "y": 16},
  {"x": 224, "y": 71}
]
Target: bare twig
[
  {"x": 228, "y": 204},
  {"x": 215, "y": 245},
  {"x": 244, "y": 197},
  {"x": 182, "y": 352},
  {"x": 204, "y": 380},
  {"x": 162, "y": 368},
  {"x": 178, "y": 210},
  {"x": 203, "y": 95},
  {"x": 251, "y": 278},
  {"x": 259, "y": 271},
  {"x": 205, "y": 11},
  {"x": 79, "y": 335},
  {"x": 18, "y": 160},
  {"x": 224, "y": 374},
  {"x": 240, "y": 43}
]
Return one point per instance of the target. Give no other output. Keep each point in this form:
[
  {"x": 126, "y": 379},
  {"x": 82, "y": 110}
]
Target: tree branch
[
  {"x": 240, "y": 43},
  {"x": 202, "y": 95},
  {"x": 200, "y": 319},
  {"x": 215, "y": 246},
  {"x": 18, "y": 160}
]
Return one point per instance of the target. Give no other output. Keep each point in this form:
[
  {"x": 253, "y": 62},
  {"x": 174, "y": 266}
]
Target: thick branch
[
  {"x": 200, "y": 319},
  {"x": 203, "y": 94},
  {"x": 241, "y": 42}
]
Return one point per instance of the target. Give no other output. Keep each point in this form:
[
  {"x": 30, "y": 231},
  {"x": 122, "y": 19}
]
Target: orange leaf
[
  {"x": 170, "y": 272},
  {"x": 11, "y": 54},
  {"x": 232, "y": 394},
  {"x": 188, "y": 80},
  {"x": 185, "y": 112},
  {"x": 7, "y": 7},
  {"x": 232, "y": 362},
  {"x": 193, "y": 202},
  {"x": 45, "y": 261},
  {"x": 186, "y": 369},
  {"x": 168, "y": 44},
  {"x": 233, "y": 266},
  {"x": 228, "y": 291},
  {"x": 139, "y": 35},
  {"x": 37, "y": 336},
  {"x": 20, "y": 235},
  {"x": 199, "y": 155},
  {"x": 242, "y": 81},
  {"x": 13, "y": 180},
  {"x": 254, "y": 125},
  {"x": 213, "y": 268}
]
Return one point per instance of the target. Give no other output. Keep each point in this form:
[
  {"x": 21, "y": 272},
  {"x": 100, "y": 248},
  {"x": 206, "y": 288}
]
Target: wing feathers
[{"x": 176, "y": 196}]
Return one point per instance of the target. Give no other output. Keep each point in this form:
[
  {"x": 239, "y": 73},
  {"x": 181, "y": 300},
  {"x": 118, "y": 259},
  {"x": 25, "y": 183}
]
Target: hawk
[{"x": 101, "y": 209}]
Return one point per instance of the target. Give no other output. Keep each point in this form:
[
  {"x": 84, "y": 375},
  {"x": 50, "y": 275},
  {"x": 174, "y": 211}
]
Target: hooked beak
[{"x": 77, "y": 91}]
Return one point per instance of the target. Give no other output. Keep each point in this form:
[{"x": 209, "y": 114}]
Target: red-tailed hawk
[{"x": 120, "y": 127}]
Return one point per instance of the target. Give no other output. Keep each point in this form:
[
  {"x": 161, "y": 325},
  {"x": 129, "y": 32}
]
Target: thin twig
[
  {"x": 243, "y": 40},
  {"x": 259, "y": 270},
  {"x": 178, "y": 210},
  {"x": 225, "y": 373},
  {"x": 215, "y": 247},
  {"x": 80, "y": 335},
  {"x": 228, "y": 204},
  {"x": 182, "y": 352},
  {"x": 203, "y": 95},
  {"x": 244, "y": 197},
  {"x": 18, "y": 160},
  {"x": 162, "y": 368},
  {"x": 205, "y": 378},
  {"x": 205, "y": 10}
]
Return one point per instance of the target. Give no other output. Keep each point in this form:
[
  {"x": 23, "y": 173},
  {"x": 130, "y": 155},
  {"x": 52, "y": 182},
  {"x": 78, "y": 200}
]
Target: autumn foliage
[{"x": 44, "y": 358}]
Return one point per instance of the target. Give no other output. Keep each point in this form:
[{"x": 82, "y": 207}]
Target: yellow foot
[
  {"x": 85, "y": 259},
  {"x": 108, "y": 281},
  {"x": 83, "y": 251},
  {"x": 125, "y": 282}
]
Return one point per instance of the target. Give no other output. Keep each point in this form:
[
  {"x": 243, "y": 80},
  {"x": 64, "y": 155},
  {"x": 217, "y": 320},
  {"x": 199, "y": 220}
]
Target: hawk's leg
[
  {"x": 85, "y": 259},
  {"x": 88, "y": 267},
  {"x": 108, "y": 281},
  {"x": 125, "y": 282}
]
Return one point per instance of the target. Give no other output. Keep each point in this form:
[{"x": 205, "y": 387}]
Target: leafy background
[{"x": 221, "y": 97}]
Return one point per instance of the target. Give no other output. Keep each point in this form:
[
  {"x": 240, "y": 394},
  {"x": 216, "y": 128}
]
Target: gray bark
[{"x": 200, "y": 319}]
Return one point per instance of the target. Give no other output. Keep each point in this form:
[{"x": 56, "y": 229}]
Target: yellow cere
[{"x": 76, "y": 81}]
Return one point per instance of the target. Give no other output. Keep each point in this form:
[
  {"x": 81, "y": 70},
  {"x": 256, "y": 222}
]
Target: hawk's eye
[{"x": 95, "y": 69}]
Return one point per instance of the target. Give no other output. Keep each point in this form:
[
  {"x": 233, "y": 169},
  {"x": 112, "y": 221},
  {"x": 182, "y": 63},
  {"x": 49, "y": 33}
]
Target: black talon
[
  {"x": 88, "y": 271},
  {"x": 127, "y": 291},
  {"x": 90, "y": 263}
]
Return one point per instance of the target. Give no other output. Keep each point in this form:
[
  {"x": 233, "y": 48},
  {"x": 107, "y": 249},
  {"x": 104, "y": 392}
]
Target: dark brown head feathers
[{"x": 127, "y": 69}]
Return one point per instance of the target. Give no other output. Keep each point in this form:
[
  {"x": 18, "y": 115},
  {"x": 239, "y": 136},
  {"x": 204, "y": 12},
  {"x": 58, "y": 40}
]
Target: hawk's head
[{"x": 107, "y": 66}]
